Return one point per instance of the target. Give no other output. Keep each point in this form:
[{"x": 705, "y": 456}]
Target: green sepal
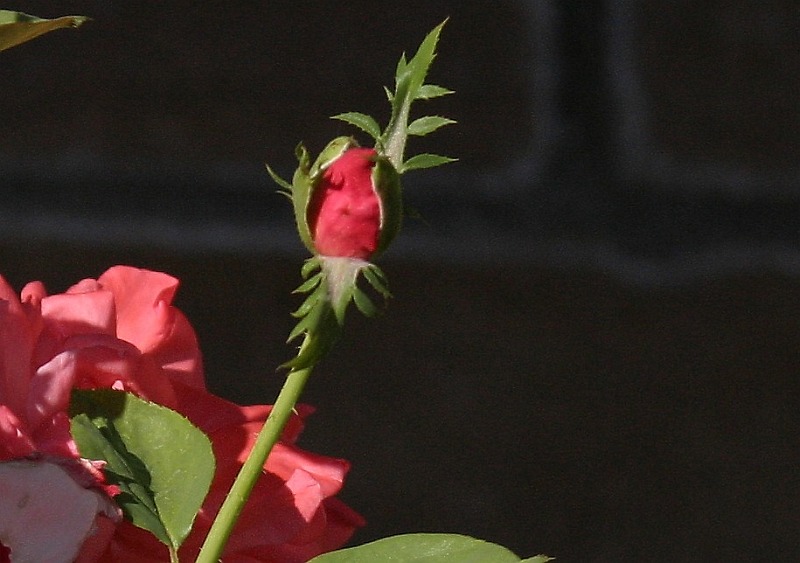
[
  {"x": 386, "y": 183},
  {"x": 329, "y": 154},
  {"x": 286, "y": 186},
  {"x": 322, "y": 313},
  {"x": 377, "y": 279},
  {"x": 306, "y": 178},
  {"x": 301, "y": 192},
  {"x": 309, "y": 267},
  {"x": 17, "y": 28},
  {"x": 364, "y": 303},
  {"x": 309, "y": 284}
]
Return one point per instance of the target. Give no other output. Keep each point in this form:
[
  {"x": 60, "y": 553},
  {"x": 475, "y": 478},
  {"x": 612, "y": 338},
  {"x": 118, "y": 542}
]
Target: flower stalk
[
  {"x": 251, "y": 470},
  {"x": 348, "y": 208}
]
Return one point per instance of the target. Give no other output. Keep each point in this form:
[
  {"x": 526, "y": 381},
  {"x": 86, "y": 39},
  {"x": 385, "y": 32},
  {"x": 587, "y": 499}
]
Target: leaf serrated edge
[
  {"x": 428, "y": 124},
  {"x": 430, "y": 91},
  {"x": 426, "y": 160},
  {"x": 365, "y": 122}
]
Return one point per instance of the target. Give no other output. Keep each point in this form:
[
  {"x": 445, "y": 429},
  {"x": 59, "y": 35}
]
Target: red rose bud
[{"x": 353, "y": 209}]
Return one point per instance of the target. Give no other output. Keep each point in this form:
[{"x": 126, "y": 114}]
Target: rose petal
[{"x": 44, "y": 515}]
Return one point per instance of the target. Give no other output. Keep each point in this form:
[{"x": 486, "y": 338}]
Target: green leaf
[
  {"x": 409, "y": 80},
  {"x": 402, "y": 64},
  {"x": 427, "y": 124},
  {"x": 425, "y": 160},
  {"x": 429, "y": 91},
  {"x": 17, "y": 28},
  {"x": 364, "y": 122},
  {"x": 423, "y": 548},
  {"x": 415, "y": 71},
  {"x": 161, "y": 462}
]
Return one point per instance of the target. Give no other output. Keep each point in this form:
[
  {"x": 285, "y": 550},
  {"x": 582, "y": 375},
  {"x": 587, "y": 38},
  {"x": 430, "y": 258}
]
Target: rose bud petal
[{"x": 348, "y": 203}]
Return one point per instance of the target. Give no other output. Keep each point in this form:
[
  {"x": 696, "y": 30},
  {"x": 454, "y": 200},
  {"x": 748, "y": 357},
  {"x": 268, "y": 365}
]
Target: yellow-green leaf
[
  {"x": 426, "y": 548},
  {"x": 427, "y": 124},
  {"x": 16, "y": 27},
  {"x": 162, "y": 463}
]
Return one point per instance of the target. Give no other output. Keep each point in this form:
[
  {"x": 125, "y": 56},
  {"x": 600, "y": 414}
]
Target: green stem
[
  {"x": 397, "y": 135},
  {"x": 253, "y": 466}
]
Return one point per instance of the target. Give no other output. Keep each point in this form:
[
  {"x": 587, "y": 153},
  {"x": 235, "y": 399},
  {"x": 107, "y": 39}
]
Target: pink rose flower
[
  {"x": 292, "y": 514},
  {"x": 344, "y": 214},
  {"x": 121, "y": 331}
]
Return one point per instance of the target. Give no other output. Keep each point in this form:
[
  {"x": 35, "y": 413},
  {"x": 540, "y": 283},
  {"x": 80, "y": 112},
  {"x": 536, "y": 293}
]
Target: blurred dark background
[{"x": 592, "y": 352}]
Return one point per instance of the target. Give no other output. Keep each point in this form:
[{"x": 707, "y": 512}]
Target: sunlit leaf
[
  {"x": 428, "y": 91},
  {"x": 161, "y": 462},
  {"x": 409, "y": 79},
  {"x": 425, "y": 160},
  {"x": 427, "y": 124},
  {"x": 16, "y": 27},
  {"x": 425, "y": 548},
  {"x": 364, "y": 122}
]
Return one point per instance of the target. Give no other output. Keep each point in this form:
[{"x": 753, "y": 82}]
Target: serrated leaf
[
  {"x": 363, "y": 121},
  {"x": 419, "y": 65},
  {"x": 409, "y": 80},
  {"x": 402, "y": 65},
  {"x": 426, "y": 160},
  {"x": 422, "y": 548},
  {"x": 17, "y": 28},
  {"x": 427, "y": 124},
  {"x": 161, "y": 462},
  {"x": 429, "y": 91}
]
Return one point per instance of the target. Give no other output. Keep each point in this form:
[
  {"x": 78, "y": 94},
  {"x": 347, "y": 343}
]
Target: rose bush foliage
[{"x": 121, "y": 331}]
